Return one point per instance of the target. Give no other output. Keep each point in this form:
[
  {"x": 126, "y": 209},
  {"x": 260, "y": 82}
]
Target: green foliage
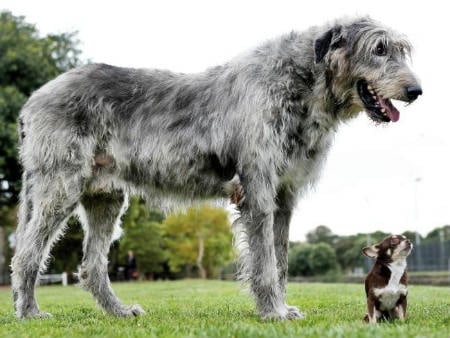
[
  {"x": 27, "y": 61},
  {"x": 8, "y": 216},
  {"x": 321, "y": 234},
  {"x": 298, "y": 260},
  {"x": 11, "y": 100},
  {"x": 376, "y": 237},
  {"x": 312, "y": 259},
  {"x": 185, "y": 232},
  {"x": 348, "y": 251},
  {"x": 413, "y": 235},
  {"x": 144, "y": 236},
  {"x": 322, "y": 259},
  {"x": 7, "y": 219},
  {"x": 347, "y": 248},
  {"x": 67, "y": 253},
  {"x": 441, "y": 233}
]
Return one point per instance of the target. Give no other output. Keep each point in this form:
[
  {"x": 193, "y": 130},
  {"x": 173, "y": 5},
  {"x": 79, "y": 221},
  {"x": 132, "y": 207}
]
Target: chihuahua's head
[{"x": 391, "y": 249}]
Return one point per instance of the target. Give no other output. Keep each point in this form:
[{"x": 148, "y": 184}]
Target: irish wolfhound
[{"x": 265, "y": 119}]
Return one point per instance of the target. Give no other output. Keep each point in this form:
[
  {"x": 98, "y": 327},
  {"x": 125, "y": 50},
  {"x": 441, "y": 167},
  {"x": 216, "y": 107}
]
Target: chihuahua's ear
[{"x": 371, "y": 251}]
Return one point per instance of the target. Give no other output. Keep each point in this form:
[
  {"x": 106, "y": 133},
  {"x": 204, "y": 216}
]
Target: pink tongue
[{"x": 391, "y": 111}]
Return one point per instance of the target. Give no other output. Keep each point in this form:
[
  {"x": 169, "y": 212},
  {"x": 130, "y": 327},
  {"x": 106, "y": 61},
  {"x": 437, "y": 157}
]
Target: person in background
[{"x": 131, "y": 271}]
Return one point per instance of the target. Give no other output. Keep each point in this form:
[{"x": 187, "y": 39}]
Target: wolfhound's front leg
[
  {"x": 285, "y": 201},
  {"x": 259, "y": 263},
  {"x": 102, "y": 213}
]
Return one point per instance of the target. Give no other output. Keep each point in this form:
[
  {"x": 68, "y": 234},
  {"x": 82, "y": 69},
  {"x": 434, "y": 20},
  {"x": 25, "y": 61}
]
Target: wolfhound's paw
[
  {"x": 294, "y": 313},
  {"x": 130, "y": 311},
  {"x": 284, "y": 313},
  {"x": 43, "y": 315},
  {"x": 35, "y": 315}
]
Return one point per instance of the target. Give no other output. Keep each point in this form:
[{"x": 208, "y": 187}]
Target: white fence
[{"x": 53, "y": 278}]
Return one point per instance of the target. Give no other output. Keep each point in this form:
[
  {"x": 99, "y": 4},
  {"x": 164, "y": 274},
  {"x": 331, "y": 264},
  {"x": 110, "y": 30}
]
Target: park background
[{"x": 378, "y": 180}]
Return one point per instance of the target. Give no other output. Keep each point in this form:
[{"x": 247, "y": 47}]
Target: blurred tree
[
  {"x": 27, "y": 61},
  {"x": 307, "y": 259},
  {"x": 199, "y": 237},
  {"x": 321, "y": 234},
  {"x": 322, "y": 259},
  {"x": 67, "y": 253},
  {"x": 348, "y": 251},
  {"x": 441, "y": 233},
  {"x": 377, "y": 236},
  {"x": 143, "y": 235},
  {"x": 298, "y": 260},
  {"x": 413, "y": 236}
]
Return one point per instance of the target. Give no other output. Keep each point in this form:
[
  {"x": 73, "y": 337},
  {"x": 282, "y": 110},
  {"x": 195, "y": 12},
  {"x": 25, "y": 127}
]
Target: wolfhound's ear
[
  {"x": 371, "y": 251},
  {"x": 331, "y": 39}
]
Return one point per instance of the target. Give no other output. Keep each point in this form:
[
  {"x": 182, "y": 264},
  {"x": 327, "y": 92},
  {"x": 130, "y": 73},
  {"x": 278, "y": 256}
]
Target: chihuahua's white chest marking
[{"x": 390, "y": 294}]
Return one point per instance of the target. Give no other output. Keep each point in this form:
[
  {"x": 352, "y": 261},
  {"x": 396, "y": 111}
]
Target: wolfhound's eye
[{"x": 381, "y": 49}]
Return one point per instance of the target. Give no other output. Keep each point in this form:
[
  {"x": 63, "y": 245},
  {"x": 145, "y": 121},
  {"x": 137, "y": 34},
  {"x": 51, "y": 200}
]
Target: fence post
[
  {"x": 419, "y": 252},
  {"x": 448, "y": 269},
  {"x": 442, "y": 249},
  {"x": 64, "y": 278}
]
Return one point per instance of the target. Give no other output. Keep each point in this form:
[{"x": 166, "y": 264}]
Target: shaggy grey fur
[{"x": 265, "y": 119}]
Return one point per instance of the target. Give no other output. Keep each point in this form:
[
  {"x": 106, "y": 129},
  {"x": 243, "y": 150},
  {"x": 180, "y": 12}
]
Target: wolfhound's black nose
[{"x": 412, "y": 92}]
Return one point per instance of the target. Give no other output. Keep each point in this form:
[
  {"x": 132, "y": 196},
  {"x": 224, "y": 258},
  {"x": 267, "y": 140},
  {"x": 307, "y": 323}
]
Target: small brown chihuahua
[{"x": 386, "y": 283}]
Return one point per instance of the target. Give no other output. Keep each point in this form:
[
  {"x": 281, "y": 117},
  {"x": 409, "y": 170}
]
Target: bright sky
[{"x": 391, "y": 178}]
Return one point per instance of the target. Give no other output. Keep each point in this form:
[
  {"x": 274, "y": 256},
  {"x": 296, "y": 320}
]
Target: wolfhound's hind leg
[
  {"x": 45, "y": 206},
  {"x": 100, "y": 213}
]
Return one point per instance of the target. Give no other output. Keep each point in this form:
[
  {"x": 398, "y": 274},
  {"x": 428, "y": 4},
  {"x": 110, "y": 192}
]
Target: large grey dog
[{"x": 263, "y": 122}]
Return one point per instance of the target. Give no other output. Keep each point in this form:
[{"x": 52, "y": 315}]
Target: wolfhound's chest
[{"x": 307, "y": 152}]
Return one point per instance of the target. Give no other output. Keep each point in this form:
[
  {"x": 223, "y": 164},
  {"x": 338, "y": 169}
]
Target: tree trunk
[{"x": 201, "y": 250}]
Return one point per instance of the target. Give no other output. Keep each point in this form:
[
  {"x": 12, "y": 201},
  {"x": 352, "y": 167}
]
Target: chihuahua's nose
[{"x": 412, "y": 92}]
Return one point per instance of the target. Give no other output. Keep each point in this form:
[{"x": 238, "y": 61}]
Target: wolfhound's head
[{"x": 365, "y": 66}]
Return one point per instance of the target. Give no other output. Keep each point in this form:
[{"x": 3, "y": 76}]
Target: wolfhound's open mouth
[{"x": 378, "y": 108}]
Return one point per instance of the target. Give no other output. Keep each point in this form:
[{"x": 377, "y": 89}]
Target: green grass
[
  {"x": 428, "y": 273},
  {"x": 221, "y": 309}
]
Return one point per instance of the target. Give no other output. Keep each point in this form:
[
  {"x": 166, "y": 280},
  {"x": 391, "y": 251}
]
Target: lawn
[{"x": 221, "y": 309}]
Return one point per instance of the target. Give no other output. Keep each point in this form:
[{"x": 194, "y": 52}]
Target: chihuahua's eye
[
  {"x": 381, "y": 49},
  {"x": 395, "y": 241}
]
